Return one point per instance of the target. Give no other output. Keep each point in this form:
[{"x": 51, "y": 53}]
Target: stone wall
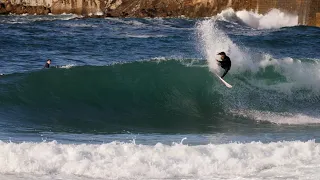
[{"x": 307, "y": 10}]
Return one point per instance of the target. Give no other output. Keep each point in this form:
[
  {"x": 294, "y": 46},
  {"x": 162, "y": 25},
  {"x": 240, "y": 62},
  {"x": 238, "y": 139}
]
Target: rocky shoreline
[
  {"x": 307, "y": 10},
  {"x": 7, "y": 8}
]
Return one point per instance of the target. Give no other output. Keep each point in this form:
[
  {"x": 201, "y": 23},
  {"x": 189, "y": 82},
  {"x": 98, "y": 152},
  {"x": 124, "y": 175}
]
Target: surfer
[
  {"x": 225, "y": 63},
  {"x": 47, "y": 65}
]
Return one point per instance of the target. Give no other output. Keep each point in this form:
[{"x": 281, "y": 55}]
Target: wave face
[
  {"x": 152, "y": 94},
  {"x": 157, "y": 95}
]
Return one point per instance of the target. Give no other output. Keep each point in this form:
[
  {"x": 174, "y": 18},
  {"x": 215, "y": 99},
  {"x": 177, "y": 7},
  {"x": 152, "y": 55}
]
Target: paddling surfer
[{"x": 47, "y": 65}]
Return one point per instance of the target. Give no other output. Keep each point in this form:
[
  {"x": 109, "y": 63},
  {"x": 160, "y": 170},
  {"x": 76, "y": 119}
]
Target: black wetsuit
[
  {"x": 226, "y": 65},
  {"x": 46, "y": 65}
]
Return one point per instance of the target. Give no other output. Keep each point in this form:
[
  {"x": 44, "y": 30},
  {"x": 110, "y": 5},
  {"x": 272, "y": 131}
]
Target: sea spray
[
  {"x": 290, "y": 77},
  {"x": 274, "y": 19},
  {"x": 213, "y": 40}
]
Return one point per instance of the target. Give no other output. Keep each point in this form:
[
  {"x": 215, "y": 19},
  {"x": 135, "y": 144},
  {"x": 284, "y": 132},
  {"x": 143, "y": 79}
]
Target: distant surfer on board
[
  {"x": 225, "y": 63},
  {"x": 47, "y": 65}
]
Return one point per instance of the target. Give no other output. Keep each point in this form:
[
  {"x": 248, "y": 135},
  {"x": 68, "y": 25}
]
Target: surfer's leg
[{"x": 225, "y": 72}]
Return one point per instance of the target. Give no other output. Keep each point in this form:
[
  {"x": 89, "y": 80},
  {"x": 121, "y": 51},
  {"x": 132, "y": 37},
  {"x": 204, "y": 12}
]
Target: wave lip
[{"x": 127, "y": 160}]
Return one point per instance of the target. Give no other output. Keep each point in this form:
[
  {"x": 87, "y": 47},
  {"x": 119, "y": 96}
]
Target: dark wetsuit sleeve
[{"x": 226, "y": 63}]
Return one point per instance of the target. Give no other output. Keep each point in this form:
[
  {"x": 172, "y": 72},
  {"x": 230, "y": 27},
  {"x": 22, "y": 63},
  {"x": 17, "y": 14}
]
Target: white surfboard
[{"x": 223, "y": 81}]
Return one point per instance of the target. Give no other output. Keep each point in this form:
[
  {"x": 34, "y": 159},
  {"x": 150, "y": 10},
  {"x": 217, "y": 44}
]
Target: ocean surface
[{"x": 137, "y": 98}]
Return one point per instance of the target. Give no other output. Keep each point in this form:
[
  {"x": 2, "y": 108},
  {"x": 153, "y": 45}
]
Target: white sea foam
[
  {"x": 296, "y": 72},
  {"x": 278, "y": 118},
  {"x": 127, "y": 160},
  {"x": 76, "y": 24},
  {"x": 134, "y": 23},
  {"x": 26, "y": 18},
  {"x": 273, "y": 19},
  {"x": 145, "y": 36},
  {"x": 68, "y": 66}
]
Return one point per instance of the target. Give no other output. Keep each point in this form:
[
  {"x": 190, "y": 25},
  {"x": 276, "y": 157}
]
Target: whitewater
[
  {"x": 137, "y": 98},
  {"x": 116, "y": 160}
]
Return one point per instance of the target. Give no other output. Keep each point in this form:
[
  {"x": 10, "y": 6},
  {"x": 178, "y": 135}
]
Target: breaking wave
[{"x": 128, "y": 160}]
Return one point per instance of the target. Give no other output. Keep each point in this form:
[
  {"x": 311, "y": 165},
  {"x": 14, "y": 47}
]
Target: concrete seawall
[{"x": 307, "y": 10}]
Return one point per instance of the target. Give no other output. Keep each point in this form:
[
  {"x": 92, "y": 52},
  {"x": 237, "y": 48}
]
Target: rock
[
  {"x": 8, "y": 6},
  {"x": 3, "y": 8},
  {"x": 306, "y": 9},
  {"x": 20, "y": 10},
  {"x": 81, "y": 7}
]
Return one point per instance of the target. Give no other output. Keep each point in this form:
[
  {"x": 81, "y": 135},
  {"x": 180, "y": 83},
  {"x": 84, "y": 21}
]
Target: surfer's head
[
  {"x": 49, "y": 61},
  {"x": 222, "y": 54}
]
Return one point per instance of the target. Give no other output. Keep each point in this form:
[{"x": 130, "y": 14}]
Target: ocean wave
[
  {"x": 68, "y": 66},
  {"x": 128, "y": 21},
  {"x": 274, "y": 19},
  {"x": 118, "y": 160},
  {"x": 151, "y": 96},
  {"x": 295, "y": 73},
  {"x": 112, "y": 98}
]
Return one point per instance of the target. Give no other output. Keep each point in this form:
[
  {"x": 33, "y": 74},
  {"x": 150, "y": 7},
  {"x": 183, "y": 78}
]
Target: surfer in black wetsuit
[
  {"x": 47, "y": 65},
  {"x": 225, "y": 63}
]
